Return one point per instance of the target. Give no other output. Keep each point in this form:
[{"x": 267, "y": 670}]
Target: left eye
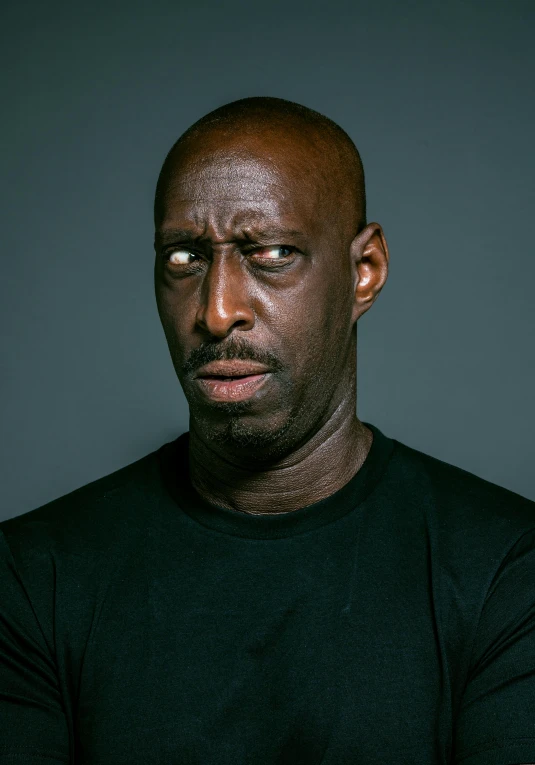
[{"x": 273, "y": 253}]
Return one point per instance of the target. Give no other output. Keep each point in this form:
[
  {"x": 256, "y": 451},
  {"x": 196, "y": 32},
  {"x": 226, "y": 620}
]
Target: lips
[
  {"x": 234, "y": 368},
  {"x": 234, "y": 380}
]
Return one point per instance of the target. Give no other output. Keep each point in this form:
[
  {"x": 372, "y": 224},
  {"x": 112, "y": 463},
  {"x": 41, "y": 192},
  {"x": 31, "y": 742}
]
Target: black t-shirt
[{"x": 393, "y": 622}]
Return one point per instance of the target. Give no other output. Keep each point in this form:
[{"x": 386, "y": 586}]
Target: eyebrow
[{"x": 248, "y": 234}]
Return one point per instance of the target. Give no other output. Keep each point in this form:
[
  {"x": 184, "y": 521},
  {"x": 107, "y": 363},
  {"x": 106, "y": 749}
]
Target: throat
[{"x": 302, "y": 479}]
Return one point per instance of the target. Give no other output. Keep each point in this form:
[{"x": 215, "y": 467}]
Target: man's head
[{"x": 264, "y": 263}]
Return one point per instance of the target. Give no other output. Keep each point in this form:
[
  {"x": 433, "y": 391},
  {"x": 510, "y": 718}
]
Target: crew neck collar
[{"x": 174, "y": 460}]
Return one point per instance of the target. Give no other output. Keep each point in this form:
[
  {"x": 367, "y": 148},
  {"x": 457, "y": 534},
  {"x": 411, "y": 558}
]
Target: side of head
[{"x": 263, "y": 254}]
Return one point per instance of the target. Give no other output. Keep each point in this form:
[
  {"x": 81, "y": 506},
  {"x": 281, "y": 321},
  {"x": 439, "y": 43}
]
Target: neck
[{"x": 314, "y": 471}]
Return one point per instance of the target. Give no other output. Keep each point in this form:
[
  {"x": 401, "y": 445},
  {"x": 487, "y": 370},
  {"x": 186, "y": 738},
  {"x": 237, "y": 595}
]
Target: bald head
[{"x": 308, "y": 145}]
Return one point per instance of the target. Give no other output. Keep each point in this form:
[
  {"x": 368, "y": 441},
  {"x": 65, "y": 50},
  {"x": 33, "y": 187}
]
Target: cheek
[
  {"x": 312, "y": 324},
  {"x": 176, "y": 303},
  {"x": 174, "y": 320}
]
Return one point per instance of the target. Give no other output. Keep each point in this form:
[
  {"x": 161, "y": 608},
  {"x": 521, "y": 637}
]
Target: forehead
[{"x": 239, "y": 187}]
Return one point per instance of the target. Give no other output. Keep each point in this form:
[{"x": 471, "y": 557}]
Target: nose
[{"x": 225, "y": 304}]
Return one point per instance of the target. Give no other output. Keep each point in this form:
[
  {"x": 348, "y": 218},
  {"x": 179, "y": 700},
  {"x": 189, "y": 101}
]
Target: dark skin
[{"x": 258, "y": 256}]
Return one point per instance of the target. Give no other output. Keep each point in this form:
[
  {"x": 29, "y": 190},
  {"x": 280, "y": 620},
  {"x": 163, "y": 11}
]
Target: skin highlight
[{"x": 262, "y": 255}]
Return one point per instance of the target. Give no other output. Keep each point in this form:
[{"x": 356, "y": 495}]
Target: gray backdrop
[{"x": 439, "y": 98}]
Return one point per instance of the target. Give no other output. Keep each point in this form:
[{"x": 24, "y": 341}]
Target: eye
[
  {"x": 276, "y": 252},
  {"x": 180, "y": 257}
]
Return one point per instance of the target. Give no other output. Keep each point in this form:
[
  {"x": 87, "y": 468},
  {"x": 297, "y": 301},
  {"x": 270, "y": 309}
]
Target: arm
[
  {"x": 32, "y": 722},
  {"x": 496, "y": 721}
]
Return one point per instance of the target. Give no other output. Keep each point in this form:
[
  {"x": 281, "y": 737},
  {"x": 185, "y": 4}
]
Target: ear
[{"x": 369, "y": 263}]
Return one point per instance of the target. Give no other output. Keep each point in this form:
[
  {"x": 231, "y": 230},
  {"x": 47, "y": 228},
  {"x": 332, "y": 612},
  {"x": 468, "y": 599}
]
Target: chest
[{"x": 255, "y": 664}]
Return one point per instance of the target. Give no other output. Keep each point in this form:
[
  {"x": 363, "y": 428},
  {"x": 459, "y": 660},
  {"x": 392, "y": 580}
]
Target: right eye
[{"x": 180, "y": 257}]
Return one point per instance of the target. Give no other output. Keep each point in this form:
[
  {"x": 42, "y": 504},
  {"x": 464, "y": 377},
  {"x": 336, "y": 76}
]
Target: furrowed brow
[
  {"x": 177, "y": 235},
  {"x": 269, "y": 235},
  {"x": 272, "y": 234}
]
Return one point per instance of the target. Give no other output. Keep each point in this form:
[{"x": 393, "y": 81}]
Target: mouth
[
  {"x": 234, "y": 380},
  {"x": 220, "y": 388}
]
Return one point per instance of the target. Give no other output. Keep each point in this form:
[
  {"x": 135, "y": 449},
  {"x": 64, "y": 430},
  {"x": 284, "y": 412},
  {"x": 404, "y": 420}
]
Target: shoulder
[
  {"x": 57, "y": 561},
  {"x": 459, "y": 507},
  {"x": 92, "y": 516}
]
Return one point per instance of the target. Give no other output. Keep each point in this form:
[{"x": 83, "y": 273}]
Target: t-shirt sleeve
[
  {"x": 33, "y": 727},
  {"x": 496, "y": 722}
]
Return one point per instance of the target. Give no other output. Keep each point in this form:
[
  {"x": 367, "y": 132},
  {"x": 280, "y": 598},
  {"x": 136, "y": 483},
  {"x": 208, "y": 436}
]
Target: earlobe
[{"x": 370, "y": 266}]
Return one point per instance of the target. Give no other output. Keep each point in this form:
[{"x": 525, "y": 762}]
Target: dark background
[{"x": 439, "y": 98}]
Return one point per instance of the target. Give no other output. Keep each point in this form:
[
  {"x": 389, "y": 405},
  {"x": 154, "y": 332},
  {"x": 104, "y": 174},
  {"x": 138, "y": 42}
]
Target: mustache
[{"x": 233, "y": 349}]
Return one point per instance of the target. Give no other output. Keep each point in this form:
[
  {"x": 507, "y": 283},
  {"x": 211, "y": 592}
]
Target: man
[{"x": 284, "y": 583}]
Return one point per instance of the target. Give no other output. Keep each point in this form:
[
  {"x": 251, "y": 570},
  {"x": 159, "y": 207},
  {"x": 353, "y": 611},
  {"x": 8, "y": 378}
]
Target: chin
[{"x": 252, "y": 436}]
